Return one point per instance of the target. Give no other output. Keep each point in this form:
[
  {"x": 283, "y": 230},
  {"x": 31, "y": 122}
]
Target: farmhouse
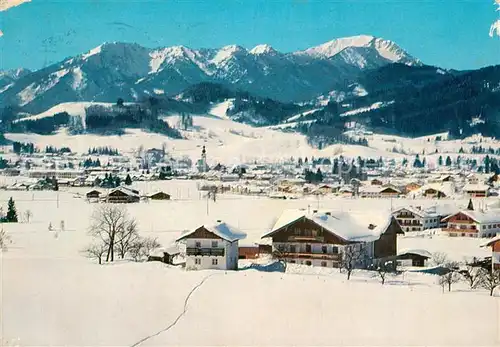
[
  {"x": 416, "y": 219},
  {"x": 473, "y": 223},
  {"x": 212, "y": 247},
  {"x": 413, "y": 257},
  {"x": 476, "y": 190},
  {"x": 320, "y": 238},
  {"x": 122, "y": 195},
  {"x": 93, "y": 194},
  {"x": 375, "y": 191}
]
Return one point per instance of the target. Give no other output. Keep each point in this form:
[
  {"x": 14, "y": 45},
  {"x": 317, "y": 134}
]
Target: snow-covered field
[{"x": 52, "y": 295}]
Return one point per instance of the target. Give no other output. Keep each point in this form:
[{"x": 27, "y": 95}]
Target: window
[
  {"x": 489, "y": 226},
  {"x": 308, "y": 262},
  {"x": 293, "y": 249},
  {"x": 335, "y": 250},
  {"x": 198, "y": 244},
  {"x": 215, "y": 262},
  {"x": 215, "y": 244},
  {"x": 197, "y": 261},
  {"x": 484, "y": 227},
  {"x": 324, "y": 249},
  {"x": 308, "y": 248},
  {"x": 292, "y": 261},
  {"x": 323, "y": 263}
]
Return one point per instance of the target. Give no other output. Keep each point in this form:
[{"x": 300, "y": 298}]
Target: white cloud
[
  {"x": 495, "y": 28},
  {"x": 6, "y": 4}
]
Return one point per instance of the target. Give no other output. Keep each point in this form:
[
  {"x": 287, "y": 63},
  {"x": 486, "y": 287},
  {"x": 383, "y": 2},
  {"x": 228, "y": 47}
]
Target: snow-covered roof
[
  {"x": 222, "y": 230},
  {"x": 491, "y": 241},
  {"x": 348, "y": 226},
  {"x": 421, "y": 252},
  {"x": 490, "y": 216},
  {"x": 124, "y": 190},
  {"x": 418, "y": 211},
  {"x": 447, "y": 188},
  {"x": 469, "y": 187}
]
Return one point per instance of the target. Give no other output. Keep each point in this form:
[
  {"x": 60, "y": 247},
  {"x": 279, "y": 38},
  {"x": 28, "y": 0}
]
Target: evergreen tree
[
  {"x": 448, "y": 161},
  {"x": 417, "y": 162},
  {"x": 128, "y": 180},
  {"x": 55, "y": 185},
  {"x": 319, "y": 175},
  {"x": 11, "y": 216},
  {"x": 487, "y": 164}
]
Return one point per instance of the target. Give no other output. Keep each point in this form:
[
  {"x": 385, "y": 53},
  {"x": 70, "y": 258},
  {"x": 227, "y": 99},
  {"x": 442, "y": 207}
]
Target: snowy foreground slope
[{"x": 52, "y": 295}]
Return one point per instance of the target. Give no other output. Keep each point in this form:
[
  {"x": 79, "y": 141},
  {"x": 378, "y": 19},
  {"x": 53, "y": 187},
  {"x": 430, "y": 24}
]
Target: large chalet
[
  {"x": 473, "y": 223},
  {"x": 320, "y": 238}
]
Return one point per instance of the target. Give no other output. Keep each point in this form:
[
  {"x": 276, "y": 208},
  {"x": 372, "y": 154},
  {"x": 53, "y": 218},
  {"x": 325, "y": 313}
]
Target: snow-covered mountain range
[{"x": 129, "y": 71}]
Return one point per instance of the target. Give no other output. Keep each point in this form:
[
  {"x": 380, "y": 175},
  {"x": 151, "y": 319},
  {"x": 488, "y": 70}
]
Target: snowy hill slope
[{"x": 226, "y": 141}]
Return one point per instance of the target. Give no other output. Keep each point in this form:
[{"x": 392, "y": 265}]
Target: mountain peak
[
  {"x": 333, "y": 47},
  {"x": 227, "y": 52},
  {"x": 384, "y": 48},
  {"x": 262, "y": 49}
]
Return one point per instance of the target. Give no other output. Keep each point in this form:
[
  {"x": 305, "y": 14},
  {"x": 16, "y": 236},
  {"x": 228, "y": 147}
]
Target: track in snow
[{"x": 186, "y": 301}]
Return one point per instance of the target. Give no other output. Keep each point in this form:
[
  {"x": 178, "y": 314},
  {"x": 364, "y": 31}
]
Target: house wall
[
  {"x": 313, "y": 262},
  {"x": 495, "y": 255},
  {"x": 227, "y": 262},
  {"x": 206, "y": 263},
  {"x": 462, "y": 225},
  {"x": 386, "y": 245},
  {"x": 293, "y": 230}
]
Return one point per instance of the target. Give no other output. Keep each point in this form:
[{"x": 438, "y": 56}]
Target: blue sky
[{"x": 450, "y": 34}]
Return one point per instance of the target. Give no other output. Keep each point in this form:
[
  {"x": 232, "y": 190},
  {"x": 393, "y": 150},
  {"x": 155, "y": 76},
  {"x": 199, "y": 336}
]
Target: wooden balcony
[
  {"x": 214, "y": 252},
  {"x": 324, "y": 256},
  {"x": 458, "y": 231},
  {"x": 302, "y": 238}
]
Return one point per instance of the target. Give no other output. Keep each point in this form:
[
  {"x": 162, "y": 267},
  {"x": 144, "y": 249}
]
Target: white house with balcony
[
  {"x": 212, "y": 247},
  {"x": 416, "y": 218}
]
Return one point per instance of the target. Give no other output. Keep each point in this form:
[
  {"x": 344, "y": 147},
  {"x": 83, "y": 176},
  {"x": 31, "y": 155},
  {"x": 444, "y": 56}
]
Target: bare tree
[
  {"x": 439, "y": 258},
  {"x": 96, "y": 251},
  {"x": 490, "y": 280},
  {"x": 282, "y": 254},
  {"x": 471, "y": 274},
  {"x": 142, "y": 247},
  {"x": 353, "y": 256},
  {"x": 384, "y": 269},
  {"x": 450, "y": 276},
  {"x": 126, "y": 237},
  {"x": 107, "y": 221},
  {"x": 28, "y": 215},
  {"x": 4, "y": 240}
]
